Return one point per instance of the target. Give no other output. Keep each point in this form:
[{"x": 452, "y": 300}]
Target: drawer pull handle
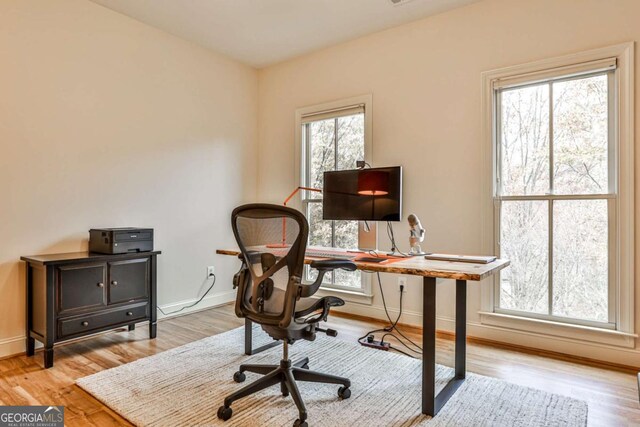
[
  {"x": 101, "y": 285},
  {"x": 85, "y": 323},
  {"x": 114, "y": 283},
  {"x": 129, "y": 313}
]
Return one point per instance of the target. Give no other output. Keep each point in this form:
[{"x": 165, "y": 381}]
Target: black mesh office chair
[{"x": 273, "y": 240}]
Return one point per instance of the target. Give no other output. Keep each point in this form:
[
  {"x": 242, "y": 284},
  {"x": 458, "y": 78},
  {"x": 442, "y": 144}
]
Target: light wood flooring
[{"x": 612, "y": 394}]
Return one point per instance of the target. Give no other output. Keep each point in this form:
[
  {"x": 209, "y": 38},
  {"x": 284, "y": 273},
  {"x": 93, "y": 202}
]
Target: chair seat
[{"x": 304, "y": 306}]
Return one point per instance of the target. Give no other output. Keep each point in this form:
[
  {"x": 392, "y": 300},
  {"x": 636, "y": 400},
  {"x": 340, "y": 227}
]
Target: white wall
[
  {"x": 105, "y": 121},
  {"x": 426, "y": 86}
]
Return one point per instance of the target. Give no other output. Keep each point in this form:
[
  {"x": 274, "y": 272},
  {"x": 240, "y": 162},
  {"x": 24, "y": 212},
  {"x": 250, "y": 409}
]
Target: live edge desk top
[
  {"x": 419, "y": 266},
  {"x": 432, "y": 401}
]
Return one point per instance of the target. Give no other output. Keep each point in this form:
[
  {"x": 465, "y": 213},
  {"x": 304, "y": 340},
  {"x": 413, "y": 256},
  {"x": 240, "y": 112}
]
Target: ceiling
[{"x": 264, "y": 32}]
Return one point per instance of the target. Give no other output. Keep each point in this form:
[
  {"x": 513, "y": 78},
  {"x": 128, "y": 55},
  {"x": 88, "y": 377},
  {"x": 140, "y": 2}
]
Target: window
[
  {"x": 332, "y": 139},
  {"x": 562, "y": 190},
  {"x": 555, "y": 195}
]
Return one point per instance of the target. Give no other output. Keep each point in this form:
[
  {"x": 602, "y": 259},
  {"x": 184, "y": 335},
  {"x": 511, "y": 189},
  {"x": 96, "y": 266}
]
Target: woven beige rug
[{"x": 186, "y": 385}]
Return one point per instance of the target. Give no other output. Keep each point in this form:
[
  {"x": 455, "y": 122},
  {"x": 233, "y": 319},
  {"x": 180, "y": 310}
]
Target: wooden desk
[{"x": 430, "y": 270}]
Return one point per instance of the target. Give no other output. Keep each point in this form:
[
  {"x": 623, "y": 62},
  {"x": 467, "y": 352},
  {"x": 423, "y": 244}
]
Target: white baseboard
[
  {"x": 409, "y": 317},
  {"x": 12, "y": 346},
  {"x": 16, "y": 345},
  {"x": 574, "y": 347},
  {"x": 210, "y": 301}
]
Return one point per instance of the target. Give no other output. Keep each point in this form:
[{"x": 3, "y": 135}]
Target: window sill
[
  {"x": 558, "y": 329},
  {"x": 349, "y": 296}
]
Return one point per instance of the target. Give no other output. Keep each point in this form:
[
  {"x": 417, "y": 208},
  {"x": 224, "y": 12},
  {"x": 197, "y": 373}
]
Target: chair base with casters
[{"x": 286, "y": 374}]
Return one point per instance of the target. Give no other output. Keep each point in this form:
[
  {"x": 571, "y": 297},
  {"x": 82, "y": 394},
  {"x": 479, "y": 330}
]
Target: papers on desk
[{"x": 474, "y": 259}]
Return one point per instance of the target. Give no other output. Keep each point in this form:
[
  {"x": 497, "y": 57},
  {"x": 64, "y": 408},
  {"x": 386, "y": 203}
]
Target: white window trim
[
  {"x": 624, "y": 333},
  {"x": 364, "y": 294}
]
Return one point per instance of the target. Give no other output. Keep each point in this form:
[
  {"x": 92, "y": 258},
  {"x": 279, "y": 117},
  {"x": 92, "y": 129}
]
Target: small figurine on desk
[{"x": 416, "y": 235}]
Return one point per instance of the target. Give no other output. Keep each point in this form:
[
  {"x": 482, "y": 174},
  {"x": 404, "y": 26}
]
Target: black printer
[{"x": 120, "y": 240}]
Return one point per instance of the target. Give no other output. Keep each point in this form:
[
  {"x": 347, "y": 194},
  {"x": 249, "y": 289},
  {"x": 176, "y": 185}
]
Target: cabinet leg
[
  {"x": 152, "y": 330},
  {"x": 31, "y": 346},
  {"x": 132, "y": 327},
  {"x": 48, "y": 358}
]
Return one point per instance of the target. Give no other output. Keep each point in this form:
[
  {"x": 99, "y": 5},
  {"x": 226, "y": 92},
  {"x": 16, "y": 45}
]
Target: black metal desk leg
[
  {"x": 248, "y": 340},
  {"x": 429, "y": 346},
  {"x": 461, "y": 329},
  {"x": 432, "y": 402},
  {"x": 248, "y": 337}
]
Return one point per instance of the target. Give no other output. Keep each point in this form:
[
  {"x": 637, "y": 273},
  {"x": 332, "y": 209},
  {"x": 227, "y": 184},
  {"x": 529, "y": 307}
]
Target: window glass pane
[
  {"x": 524, "y": 140},
  {"x": 580, "y": 259},
  {"x": 350, "y": 141},
  {"x": 346, "y": 234},
  {"x": 321, "y": 150},
  {"x": 347, "y": 237},
  {"x": 580, "y": 136},
  {"x": 320, "y": 231},
  {"x": 352, "y": 279},
  {"x": 524, "y": 241}
]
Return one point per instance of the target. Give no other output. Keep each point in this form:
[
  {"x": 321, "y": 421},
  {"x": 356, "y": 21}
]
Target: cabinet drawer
[
  {"x": 128, "y": 280},
  {"x": 103, "y": 320},
  {"x": 80, "y": 287}
]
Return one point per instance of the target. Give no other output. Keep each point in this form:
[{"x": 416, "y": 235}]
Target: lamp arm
[
  {"x": 293, "y": 193},
  {"x": 284, "y": 222}
]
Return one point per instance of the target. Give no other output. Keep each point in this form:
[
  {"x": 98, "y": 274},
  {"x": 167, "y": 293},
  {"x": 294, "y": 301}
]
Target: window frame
[
  {"x": 611, "y": 196},
  {"x": 620, "y": 328},
  {"x": 301, "y": 168}
]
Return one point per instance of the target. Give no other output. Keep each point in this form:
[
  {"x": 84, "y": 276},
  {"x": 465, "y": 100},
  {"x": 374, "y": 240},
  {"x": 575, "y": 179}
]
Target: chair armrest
[{"x": 332, "y": 264}]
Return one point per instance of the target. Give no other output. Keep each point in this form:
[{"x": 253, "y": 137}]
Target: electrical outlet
[
  {"x": 211, "y": 270},
  {"x": 402, "y": 284}
]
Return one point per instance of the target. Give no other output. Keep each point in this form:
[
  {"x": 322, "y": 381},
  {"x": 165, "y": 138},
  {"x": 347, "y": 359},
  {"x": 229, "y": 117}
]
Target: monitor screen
[{"x": 363, "y": 194}]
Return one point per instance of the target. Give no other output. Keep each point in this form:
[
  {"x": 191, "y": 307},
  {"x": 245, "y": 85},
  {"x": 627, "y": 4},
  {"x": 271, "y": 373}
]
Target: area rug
[{"x": 186, "y": 385}]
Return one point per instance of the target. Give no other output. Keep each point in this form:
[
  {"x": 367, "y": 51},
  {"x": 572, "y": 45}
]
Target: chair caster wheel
[
  {"x": 239, "y": 377},
  {"x": 299, "y": 423},
  {"x": 224, "y": 413},
  {"x": 344, "y": 393}
]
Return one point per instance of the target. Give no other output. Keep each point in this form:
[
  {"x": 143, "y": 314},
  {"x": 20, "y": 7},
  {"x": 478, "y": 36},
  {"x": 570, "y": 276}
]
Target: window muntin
[
  {"x": 555, "y": 197},
  {"x": 331, "y": 143}
]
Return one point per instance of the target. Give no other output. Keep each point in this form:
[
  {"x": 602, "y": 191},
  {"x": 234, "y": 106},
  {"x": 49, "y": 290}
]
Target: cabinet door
[
  {"x": 80, "y": 287},
  {"x": 128, "y": 280}
]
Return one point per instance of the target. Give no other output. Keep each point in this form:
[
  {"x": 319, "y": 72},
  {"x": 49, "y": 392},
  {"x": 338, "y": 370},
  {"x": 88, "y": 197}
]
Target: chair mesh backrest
[{"x": 272, "y": 240}]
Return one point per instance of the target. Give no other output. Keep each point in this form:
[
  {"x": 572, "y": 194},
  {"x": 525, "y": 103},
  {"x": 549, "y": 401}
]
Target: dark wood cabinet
[{"x": 76, "y": 294}]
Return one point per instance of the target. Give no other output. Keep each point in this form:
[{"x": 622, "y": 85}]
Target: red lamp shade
[{"x": 373, "y": 183}]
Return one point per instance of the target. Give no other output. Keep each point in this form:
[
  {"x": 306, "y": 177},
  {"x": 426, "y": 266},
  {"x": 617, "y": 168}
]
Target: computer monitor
[{"x": 373, "y": 194}]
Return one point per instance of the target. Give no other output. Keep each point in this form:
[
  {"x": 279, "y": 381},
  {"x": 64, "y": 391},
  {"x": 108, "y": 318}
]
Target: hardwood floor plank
[{"x": 612, "y": 393}]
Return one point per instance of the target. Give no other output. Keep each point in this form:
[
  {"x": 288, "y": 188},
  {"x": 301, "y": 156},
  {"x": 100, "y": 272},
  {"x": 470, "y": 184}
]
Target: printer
[{"x": 120, "y": 240}]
